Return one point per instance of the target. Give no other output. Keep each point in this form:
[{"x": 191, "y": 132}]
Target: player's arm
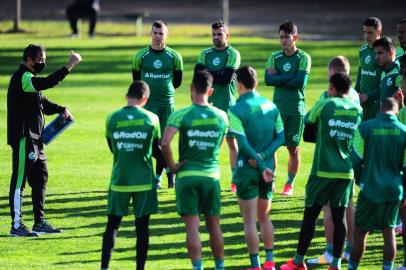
[
  {"x": 373, "y": 94},
  {"x": 178, "y": 72},
  {"x": 49, "y": 107},
  {"x": 166, "y": 148},
  {"x": 272, "y": 78},
  {"x": 237, "y": 129},
  {"x": 108, "y": 136},
  {"x": 301, "y": 77},
  {"x": 278, "y": 140},
  {"x": 357, "y": 154},
  {"x": 136, "y": 67},
  {"x": 227, "y": 75},
  {"x": 311, "y": 119}
]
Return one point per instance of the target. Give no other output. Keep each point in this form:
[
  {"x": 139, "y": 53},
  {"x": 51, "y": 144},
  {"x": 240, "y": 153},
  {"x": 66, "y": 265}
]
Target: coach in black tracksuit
[{"x": 26, "y": 107}]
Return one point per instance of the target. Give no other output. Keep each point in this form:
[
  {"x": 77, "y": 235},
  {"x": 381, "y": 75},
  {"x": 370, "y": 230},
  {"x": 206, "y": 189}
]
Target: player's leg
[
  {"x": 267, "y": 231},
  {"x": 109, "y": 239},
  {"x": 233, "y": 150},
  {"x": 349, "y": 213},
  {"x": 248, "y": 209},
  {"x": 72, "y": 15},
  {"x": 389, "y": 248},
  {"x": 92, "y": 21},
  {"x": 358, "y": 249},
  {"x": 338, "y": 215},
  {"x": 193, "y": 243},
  {"x": 327, "y": 256},
  {"x": 216, "y": 240},
  {"x": 142, "y": 245}
]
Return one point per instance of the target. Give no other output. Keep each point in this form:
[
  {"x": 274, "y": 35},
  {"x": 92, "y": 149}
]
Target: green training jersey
[
  {"x": 352, "y": 95},
  {"x": 258, "y": 120},
  {"x": 391, "y": 81},
  {"x": 223, "y": 96},
  {"x": 369, "y": 72},
  {"x": 131, "y": 132},
  {"x": 336, "y": 119},
  {"x": 399, "y": 52},
  {"x": 201, "y": 131},
  {"x": 402, "y": 116},
  {"x": 380, "y": 144},
  {"x": 290, "y": 101},
  {"x": 157, "y": 68}
]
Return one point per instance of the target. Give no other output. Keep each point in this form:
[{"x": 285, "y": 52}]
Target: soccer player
[
  {"x": 222, "y": 61},
  {"x": 369, "y": 71},
  {"x": 335, "y": 120},
  {"x": 201, "y": 130},
  {"x": 26, "y": 106},
  {"x": 288, "y": 71},
  {"x": 401, "y": 32},
  {"x": 380, "y": 180},
  {"x": 391, "y": 79},
  {"x": 254, "y": 175},
  {"x": 338, "y": 64},
  {"x": 130, "y": 133},
  {"x": 161, "y": 68}
]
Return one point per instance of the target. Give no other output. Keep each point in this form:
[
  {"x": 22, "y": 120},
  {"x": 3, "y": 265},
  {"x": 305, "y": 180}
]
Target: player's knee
[{"x": 293, "y": 151}]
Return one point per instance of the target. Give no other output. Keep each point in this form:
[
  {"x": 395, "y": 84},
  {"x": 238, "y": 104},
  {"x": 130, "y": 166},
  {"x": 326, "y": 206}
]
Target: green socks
[
  {"x": 291, "y": 178},
  {"x": 298, "y": 259},
  {"x": 387, "y": 265},
  {"x": 197, "y": 264},
  {"x": 348, "y": 246},
  {"x": 353, "y": 265},
  {"x": 336, "y": 263},
  {"x": 269, "y": 255},
  {"x": 219, "y": 264},
  {"x": 254, "y": 258},
  {"x": 329, "y": 249}
]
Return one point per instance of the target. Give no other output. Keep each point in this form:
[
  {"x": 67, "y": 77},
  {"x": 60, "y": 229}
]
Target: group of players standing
[{"x": 254, "y": 127}]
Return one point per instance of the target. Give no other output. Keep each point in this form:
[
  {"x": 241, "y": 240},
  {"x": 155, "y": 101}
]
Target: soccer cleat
[
  {"x": 45, "y": 228},
  {"x": 325, "y": 258},
  {"x": 403, "y": 267},
  {"x": 233, "y": 188},
  {"x": 346, "y": 256},
  {"x": 287, "y": 190},
  {"x": 291, "y": 265},
  {"x": 268, "y": 266},
  {"x": 22, "y": 231}
]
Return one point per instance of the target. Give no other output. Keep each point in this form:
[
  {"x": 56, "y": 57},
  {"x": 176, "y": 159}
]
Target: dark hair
[
  {"x": 159, "y": 24},
  {"x": 341, "y": 82},
  {"x": 218, "y": 24},
  {"x": 138, "y": 89},
  {"x": 386, "y": 43},
  {"x": 373, "y": 22},
  {"x": 402, "y": 59},
  {"x": 288, "y": 27},
  {"x": 247, "y": 76},
  {"x": 202, "y": 81},
  {"x": 389, "y": 104},
  {"x": 32, "y": 51},
  {"x": 340, "y": 64},
  {"x": 402, "y": 21}
]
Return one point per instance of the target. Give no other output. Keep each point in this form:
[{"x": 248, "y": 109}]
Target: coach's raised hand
[{"x": 74, "y": 59}]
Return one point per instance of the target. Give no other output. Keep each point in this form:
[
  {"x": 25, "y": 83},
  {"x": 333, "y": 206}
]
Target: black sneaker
[
  {"x": 22, "y": 231},
  {"x": 45, "y": 228}
]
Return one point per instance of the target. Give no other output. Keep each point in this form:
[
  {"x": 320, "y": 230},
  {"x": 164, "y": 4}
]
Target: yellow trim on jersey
[
  {"x": 335, "y": 175},
  {"x": 215, "y": 175},
  {"x": 136, "y": 188}
]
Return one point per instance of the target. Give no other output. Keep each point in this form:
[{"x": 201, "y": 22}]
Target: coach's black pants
[
  {"x": 74, "y": 12},
  {"x": 29, "y": 163}
]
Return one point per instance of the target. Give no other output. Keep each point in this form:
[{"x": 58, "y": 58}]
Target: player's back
[{"x": 131, "y": 131}]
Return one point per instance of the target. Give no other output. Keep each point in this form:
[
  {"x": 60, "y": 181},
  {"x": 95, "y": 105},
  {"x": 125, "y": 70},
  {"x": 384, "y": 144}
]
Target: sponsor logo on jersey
[
  {"x": 389, "y": 82},
  {"x": 204, "y": 122},
  {"x": 385, "y": 131},
  {"x": 157, "y": 76},
  {"x": 368, "y": 73},
  {"x": 31, "y": 155},
  {"x": 345, "y": 113},
  {"x": 129, "y": 147},
  {"x": 157, "y": 64},
  {"x": 129, "y": 135},
  {"x": 203, "y": 134},
  {"x": 341, "y": 135},
  {"x": 201, "y": 145},
  {"x": 287, "y": 67},
  {"x": 216, "y": 61},
  {"x": 130, "y": 123},
  {"x": 367, "y": 59},
  {"x": 339, "y": 123}
]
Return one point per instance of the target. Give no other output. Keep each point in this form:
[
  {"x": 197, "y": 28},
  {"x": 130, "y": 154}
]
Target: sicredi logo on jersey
[
  {"x": 287, "y": 67},
  {"x": 216, "y": 61},
  {"x": 157, "y": 64}
]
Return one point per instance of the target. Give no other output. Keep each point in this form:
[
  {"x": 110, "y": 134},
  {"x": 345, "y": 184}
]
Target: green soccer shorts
[
  {"x": 250, "y": 186},
  {"x": 162, "y": 112},
  {"x": 197, "y": 195},
  {"x": 371, "y": 216},
  {"x": 321, "y": 191},
  {"x": 293, "y": 127},
  {"x": 143, "y": 202}
]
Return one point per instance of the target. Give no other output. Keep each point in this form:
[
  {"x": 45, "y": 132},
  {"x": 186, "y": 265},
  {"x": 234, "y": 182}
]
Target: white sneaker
[{"x": 325, "y": 258}]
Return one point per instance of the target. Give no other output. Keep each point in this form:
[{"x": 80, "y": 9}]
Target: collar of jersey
[{"x": 386, "y": 116}]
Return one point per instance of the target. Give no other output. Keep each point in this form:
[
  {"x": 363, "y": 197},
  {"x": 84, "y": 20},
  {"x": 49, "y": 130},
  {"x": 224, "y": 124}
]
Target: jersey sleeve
[
  {"x": 234, "y": 59},
  {"x": 108, "y": 120},
  {"x": 402, "y": 115},
  {"x": 279, "y": 124},
  {"x": 271, "y": 62},
  {"x": 27, "y": 83},
  {"x": 202, "y": 58},
  {"x": 305, "y": 63},
  {"x": 224, "y": 117},
  {"x": 178, "y": 60},
  {"x": 236, "y": 125},
  {"x": 137, "y": 61},
  {"x": 398, "y": 81},
  {"x": 314, "y": 114}
]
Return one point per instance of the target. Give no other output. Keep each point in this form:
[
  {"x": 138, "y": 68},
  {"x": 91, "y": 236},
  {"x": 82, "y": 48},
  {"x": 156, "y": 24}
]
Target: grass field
[{"x": 80, "y": 162}]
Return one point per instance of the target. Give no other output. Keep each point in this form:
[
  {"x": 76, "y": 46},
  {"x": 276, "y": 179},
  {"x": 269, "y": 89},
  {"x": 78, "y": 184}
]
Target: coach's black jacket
[{"x": 25, "y": 110}]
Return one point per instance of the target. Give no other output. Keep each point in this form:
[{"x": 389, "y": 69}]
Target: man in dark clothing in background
[
  {"x": 83, "y": 9},
  {"x": 26, "y": 107}
]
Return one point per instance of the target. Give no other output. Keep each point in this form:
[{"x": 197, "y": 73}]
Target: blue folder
[{"x": 56, "y": 127}]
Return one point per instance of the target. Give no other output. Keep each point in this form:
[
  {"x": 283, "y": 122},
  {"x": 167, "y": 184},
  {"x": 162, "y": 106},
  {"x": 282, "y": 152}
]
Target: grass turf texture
[{"x": 80, "y": 162}]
